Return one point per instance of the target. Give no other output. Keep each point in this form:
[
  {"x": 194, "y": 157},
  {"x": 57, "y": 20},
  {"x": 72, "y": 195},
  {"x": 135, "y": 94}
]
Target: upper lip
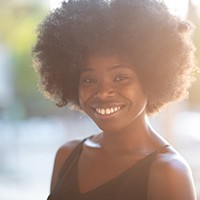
[{"x": 106, "y": 105}]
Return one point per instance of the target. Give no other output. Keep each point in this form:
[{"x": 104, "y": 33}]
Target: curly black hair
[{"x": 156, "y": 42}]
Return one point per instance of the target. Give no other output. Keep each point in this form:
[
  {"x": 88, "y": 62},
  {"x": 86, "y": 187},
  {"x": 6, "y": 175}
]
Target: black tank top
[{"x": 129, "y": 185}]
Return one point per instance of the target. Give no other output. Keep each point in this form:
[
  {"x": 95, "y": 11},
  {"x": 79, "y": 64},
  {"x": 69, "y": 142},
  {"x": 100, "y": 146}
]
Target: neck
[{"x": 136, "y": 137}]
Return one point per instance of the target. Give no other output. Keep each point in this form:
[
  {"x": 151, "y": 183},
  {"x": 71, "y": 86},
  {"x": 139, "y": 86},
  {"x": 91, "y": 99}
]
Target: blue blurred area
[{"x": 27, "y": 150}]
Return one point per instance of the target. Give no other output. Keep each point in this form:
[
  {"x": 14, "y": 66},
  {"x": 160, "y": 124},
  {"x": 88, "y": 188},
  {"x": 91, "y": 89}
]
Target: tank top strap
[
  {"x": 71, "y": 159},
  {"x": 163, "y": 148}
]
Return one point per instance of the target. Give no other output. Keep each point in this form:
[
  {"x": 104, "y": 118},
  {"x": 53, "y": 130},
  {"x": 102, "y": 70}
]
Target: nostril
[{"x": 103, "y": 94}]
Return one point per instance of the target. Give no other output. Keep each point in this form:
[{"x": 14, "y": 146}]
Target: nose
[{"x": 104, "y": 91}]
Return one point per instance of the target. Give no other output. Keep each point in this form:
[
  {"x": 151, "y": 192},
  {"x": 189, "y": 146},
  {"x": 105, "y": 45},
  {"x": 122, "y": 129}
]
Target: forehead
[{"x": 100, "y": 62}]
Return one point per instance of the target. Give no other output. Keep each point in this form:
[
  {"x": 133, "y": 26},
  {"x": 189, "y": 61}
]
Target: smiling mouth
[{"x": 108, "y": 111}]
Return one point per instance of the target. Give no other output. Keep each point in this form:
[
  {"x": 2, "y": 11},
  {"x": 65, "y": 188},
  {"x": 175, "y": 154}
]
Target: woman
[{"x": 118, "y": 61}]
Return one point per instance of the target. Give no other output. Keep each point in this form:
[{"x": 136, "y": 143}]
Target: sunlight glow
[
  {"x": 55, "y": 4},
  {"x": 178, "y": 7}
]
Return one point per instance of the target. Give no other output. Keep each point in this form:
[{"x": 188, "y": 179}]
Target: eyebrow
[{"x": 118, "y": 66}]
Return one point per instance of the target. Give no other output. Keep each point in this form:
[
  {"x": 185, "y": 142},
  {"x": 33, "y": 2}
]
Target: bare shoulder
[
  {"x": 61, "y": 156},
  {"x": 65, "y": 150},
  {"x": 170, "y": 178}
]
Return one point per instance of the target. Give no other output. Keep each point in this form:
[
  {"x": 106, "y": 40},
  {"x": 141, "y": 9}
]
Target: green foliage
[{"x": 17, "y": 31}]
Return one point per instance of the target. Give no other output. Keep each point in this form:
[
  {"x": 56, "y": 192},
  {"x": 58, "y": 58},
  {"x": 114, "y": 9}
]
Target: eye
[
  {"x": 121, "y": 78},
  {"x": 87, "y": 81}
]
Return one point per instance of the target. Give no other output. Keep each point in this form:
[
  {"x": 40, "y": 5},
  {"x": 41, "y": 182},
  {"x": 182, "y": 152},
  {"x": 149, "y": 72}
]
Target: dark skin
[{"x": 109, "y": 92}]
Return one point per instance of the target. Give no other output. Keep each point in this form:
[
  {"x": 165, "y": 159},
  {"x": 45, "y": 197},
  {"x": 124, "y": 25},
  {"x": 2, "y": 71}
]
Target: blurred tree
[{"x": 19, "y": 21}]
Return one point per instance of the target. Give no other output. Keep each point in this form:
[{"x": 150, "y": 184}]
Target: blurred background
[{"x": 32, "y": 128}]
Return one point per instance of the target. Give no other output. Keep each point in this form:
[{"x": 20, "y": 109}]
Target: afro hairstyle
[{"x": 156, "y": 42}]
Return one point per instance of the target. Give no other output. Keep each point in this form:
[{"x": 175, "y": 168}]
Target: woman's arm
[{"x": 170, "y": 179}]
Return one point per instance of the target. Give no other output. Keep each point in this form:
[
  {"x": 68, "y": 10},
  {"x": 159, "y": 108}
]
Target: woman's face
[{"x": 110, "y": 93}]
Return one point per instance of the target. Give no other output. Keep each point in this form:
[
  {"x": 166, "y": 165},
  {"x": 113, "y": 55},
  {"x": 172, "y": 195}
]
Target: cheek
[
  {"x": 83, "y": 96},
  {"x": 80, "y": 97},
  {"x": 141, "y": 100},
  {"x": 136, "y": 95}
]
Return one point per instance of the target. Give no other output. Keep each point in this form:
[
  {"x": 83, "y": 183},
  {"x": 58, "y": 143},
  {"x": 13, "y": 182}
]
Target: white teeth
[
  {"x": 107, "y": 111},
  {"x": 102, "y": 111}
]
